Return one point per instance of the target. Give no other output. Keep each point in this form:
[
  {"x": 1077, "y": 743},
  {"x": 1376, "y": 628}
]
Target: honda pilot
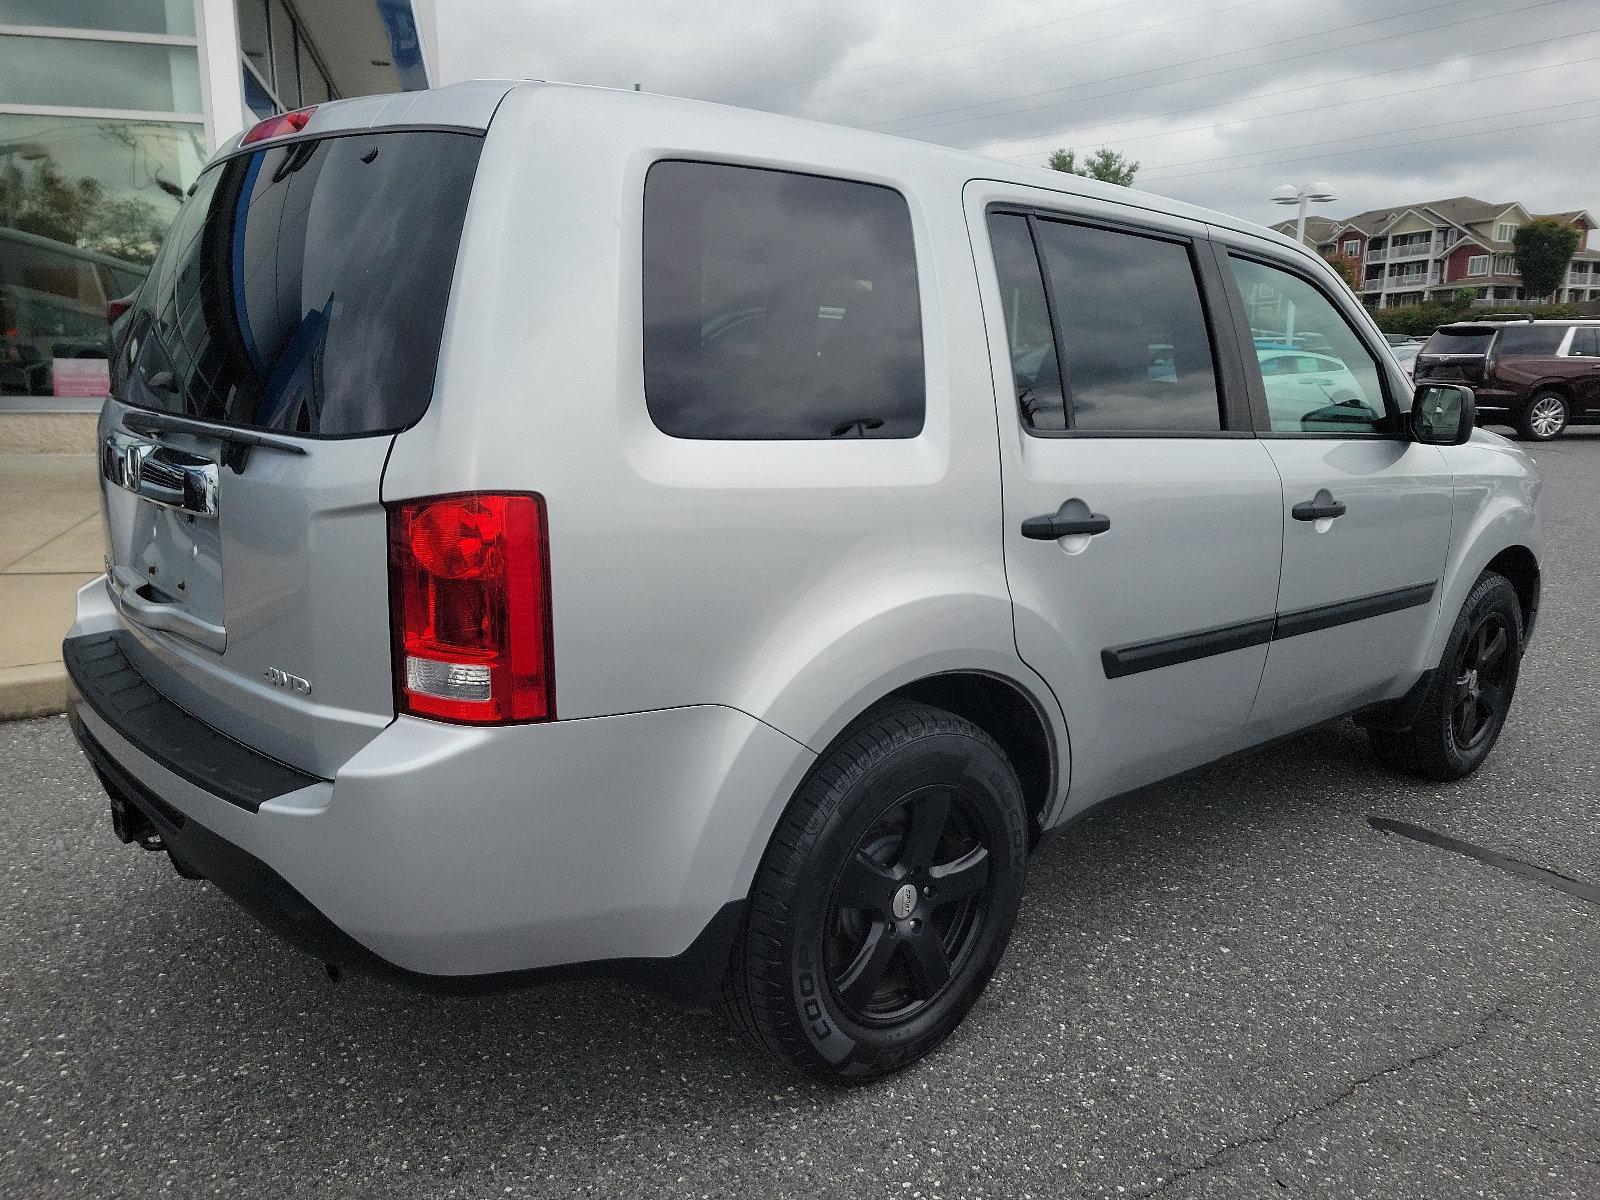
[{"x": 558, "y": 531}]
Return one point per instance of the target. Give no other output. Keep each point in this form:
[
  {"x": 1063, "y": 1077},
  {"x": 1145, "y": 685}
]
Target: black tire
[
  {"x": 1543, "y": 418},
  {"x": 1465, "y": 708},
  {"x": 837, "y": 968}
]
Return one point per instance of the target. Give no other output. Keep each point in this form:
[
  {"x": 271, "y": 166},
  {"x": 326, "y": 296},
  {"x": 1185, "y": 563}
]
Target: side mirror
[{"x": 1442, "y": 414}]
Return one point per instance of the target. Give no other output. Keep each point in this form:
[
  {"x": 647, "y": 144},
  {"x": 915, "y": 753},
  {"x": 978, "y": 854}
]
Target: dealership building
[{"x": 108, "y": 110}]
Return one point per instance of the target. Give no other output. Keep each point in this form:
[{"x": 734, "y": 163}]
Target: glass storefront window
[
  {"x": 256, "y": 98},
  {"x": 84, "y": 205},
  {"x": 284, "y": 81},
  {"x": 253, "y": 37},
  {"x": 313, "y": 84},
  {"x": 127, "y": 16},
  {"x": 88, "y": 74}
]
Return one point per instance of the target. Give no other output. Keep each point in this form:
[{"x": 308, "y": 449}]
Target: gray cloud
[{"x": 1390, "y": 100}]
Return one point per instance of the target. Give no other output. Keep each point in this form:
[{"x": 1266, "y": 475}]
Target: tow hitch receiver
[{"x": 131, "y": 825}]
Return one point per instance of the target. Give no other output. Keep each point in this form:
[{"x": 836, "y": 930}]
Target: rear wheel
[
  {"x": 1543, "y": 417},
  {"x": 1465, "y": 709},
  {"x": 885, "y": 899}
]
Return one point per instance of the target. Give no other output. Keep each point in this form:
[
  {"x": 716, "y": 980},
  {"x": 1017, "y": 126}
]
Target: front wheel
[
  {"x": 885, "y": 899},
  {"x": 1465, "y": 708},
  {"x": 1544, "y": 417}
]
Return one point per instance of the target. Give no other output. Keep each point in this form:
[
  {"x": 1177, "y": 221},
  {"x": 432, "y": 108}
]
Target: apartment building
[{"x": 1417, "y": 252}]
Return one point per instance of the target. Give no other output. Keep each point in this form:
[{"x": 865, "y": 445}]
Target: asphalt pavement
[{"x": 1229, "y": 985}]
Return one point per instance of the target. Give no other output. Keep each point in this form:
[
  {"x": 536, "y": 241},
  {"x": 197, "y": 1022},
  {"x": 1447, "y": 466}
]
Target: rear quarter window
[
  {"x": 779, "y": 306},
  {"x": 1538, "y": 341}
]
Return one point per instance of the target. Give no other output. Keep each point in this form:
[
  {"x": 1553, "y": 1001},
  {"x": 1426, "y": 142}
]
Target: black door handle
[
  {"x": 1064, "y": 524},
  {"x": 1318, "y": 507}
]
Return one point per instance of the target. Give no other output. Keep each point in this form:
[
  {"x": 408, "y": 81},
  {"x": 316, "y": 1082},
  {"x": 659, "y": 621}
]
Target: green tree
[
  {"x": 80, "y": 213},
  {"x": 1105, "y": 164},
  {"x": 1544, "y": 247},
  {"x": 1345, "y": 270}
]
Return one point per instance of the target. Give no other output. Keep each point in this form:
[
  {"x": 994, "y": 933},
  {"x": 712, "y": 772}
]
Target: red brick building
[{"x": 1426, "y": 251}]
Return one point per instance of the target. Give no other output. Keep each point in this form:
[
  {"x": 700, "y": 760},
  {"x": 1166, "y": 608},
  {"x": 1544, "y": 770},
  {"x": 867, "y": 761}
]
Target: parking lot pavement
[{"x": 1229, "y": 985}]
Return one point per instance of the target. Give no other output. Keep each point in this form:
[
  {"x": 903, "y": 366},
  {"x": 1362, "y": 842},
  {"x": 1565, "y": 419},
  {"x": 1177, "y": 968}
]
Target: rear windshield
[
  {"x": 1447, "y": 341},
  {"x": 303, "y": 287}
]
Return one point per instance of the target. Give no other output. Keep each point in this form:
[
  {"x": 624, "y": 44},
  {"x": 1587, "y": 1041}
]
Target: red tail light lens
[
  {"x": 279, "y": 126},
  {"x": 469, "y": 581},
  {"x": 115, "y": 308}
]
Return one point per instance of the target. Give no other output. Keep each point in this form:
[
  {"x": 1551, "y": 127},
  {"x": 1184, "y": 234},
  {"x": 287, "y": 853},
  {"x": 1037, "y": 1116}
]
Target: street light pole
[{"x": 1301, "y": 195}]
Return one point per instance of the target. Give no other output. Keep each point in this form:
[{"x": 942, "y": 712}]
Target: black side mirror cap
[{"x": 1442, "y": 414}]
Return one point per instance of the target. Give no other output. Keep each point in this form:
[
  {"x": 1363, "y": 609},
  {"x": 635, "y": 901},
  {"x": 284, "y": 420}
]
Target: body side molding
[{"x": 1135, "y": 657}]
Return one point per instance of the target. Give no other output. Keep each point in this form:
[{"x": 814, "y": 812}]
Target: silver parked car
[{"x": 558, "y": 531}]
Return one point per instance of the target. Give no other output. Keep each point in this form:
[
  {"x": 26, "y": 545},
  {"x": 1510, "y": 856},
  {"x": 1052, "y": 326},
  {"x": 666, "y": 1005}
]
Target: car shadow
[{"x": 211, "y": 978}]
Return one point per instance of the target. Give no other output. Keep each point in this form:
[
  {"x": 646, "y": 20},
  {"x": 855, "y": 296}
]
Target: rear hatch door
[
  {"x": 288, "y": 329},
  {"x": 1456, "y": 354}
]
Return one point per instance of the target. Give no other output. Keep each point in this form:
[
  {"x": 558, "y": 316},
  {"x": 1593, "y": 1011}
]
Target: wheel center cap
[{"x": 904, "y": 901}]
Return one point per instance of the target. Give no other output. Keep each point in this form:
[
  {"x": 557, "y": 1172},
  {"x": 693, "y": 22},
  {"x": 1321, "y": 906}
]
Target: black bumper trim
[
  {"x": 691, "y": 978},
  {"x": 108, "y": 682}
]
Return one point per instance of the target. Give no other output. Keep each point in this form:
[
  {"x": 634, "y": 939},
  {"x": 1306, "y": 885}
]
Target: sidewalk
[{"x": 52, "y": 542}]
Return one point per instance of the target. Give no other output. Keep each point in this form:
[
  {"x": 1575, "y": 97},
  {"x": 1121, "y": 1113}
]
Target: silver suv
[{"x": 556, "y": 531}]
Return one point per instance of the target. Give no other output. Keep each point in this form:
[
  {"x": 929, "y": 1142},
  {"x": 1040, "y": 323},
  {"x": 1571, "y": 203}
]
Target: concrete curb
[
  {"x": 47, "y": 433},
  {"x": 37, "y": 691}
]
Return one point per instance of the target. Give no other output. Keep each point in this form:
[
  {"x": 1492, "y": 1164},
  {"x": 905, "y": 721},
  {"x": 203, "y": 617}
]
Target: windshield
[{"x": 303, "y": 287}]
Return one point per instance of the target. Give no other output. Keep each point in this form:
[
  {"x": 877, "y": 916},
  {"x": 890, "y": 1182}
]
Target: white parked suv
[{"x": 556, "y": 530}]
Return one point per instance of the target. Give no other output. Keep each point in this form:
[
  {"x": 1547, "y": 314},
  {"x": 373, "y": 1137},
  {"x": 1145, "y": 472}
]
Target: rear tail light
[
  {"x": 278, "y": 126},
  {"x": 469, "y": 580},
  {"x": 115, "y": 308}
]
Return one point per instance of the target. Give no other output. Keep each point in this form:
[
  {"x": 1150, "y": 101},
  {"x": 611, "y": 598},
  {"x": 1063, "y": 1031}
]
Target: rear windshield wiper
[{"x": 239, "y": 442}]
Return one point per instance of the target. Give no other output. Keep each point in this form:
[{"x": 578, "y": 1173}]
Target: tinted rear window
[
  {"x": 1447, "y": 341},
  {"x": 1540, "y": 340},
  {"x": 303, "y": 287},
  {"x": 779, "y": 306}
]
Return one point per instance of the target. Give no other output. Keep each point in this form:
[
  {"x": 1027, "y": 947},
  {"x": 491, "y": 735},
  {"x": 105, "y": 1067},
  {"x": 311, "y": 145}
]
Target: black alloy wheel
[
  {"x": 1482, "y": 692},
  {"x": 908, "y": 907},
  {"x": 1468, "y": 697},
  {"x": 885, "y": 899}
]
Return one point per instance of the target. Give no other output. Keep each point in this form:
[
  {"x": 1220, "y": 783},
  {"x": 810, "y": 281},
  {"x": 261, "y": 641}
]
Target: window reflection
[
  {"x": 84, "y": 205},
  {"x": 1318, "y": 376}
]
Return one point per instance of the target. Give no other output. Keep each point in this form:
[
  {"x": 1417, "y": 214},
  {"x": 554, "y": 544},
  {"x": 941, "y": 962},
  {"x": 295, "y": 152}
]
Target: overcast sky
[{"x": 1219, "y": 101}]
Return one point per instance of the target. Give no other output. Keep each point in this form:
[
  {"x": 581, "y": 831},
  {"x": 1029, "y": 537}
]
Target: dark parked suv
[{"x": 1544, "y": 374}]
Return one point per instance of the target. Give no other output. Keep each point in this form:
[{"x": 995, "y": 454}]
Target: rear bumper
[{"x": 453, "y": 858}]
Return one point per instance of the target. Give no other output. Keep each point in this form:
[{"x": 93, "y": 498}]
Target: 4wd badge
[{"x": 291, "y": 683}]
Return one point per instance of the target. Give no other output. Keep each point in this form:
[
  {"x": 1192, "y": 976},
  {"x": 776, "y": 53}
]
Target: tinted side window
[
  {"x": 779, "y": 306},
  {"x": 1335, "y": 387},
  {"x": 1034, "y": 370},
  {"x": 1133, "y": 332},
  {"x": 1585, "y": 343},
  {"x": 1539, "y": 341}
]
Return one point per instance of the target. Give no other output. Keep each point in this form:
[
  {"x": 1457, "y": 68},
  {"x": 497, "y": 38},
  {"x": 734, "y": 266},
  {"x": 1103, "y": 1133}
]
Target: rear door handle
[
  {"x": 169, "y": 477},
  {"x": 1319, "y": 507},
  {"x": 1069, "y": 520}
]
